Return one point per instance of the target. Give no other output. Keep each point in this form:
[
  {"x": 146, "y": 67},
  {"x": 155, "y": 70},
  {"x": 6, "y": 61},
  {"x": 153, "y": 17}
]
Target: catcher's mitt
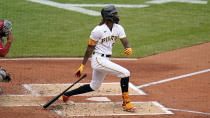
[{"x": 4, "y": 76}]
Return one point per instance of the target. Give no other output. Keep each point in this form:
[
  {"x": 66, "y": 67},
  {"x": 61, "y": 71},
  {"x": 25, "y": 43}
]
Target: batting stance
[
  {"x": 5, "y": 31},
  {"x": 100, "y": 44}
]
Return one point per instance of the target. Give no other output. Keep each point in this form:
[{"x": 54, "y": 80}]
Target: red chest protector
[
  {"x": 1, "y": 43},
  {"x": 1, "y": 39}
]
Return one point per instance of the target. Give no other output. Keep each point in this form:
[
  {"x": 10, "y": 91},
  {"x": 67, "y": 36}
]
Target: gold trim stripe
[
  {"x": 108, "y": 67},
  {"x": 92, "y": 42}
]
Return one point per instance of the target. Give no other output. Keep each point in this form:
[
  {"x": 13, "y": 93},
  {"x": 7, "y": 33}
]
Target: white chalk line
[
  {"x": 197, "y": 112},
  {"x": 28, "y": 87},
  {"x": 35, "y": 93},
  {"x": 103, "y": 5},
  {"x": 182, "y": 1},
  {"x": 99, "y": 99},
  {"x": 173, "y": 78},
  {"x": 78, "y": 7},
  {"x": 136, "y": 89},
  {"x": 162, "y": 107},
  {"x": 67, "y": 7},
  {"x": 57, "y": 58}
]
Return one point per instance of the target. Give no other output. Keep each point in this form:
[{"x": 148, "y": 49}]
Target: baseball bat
[{"x": 56, "y": 97}]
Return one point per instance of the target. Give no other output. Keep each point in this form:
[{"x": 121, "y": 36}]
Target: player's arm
[
  {"x": 5, "y": 50},
  {"x": 127, "y": 48},
  {"x": 89, "y": 51},
  {"x": 124, "y": 41}
]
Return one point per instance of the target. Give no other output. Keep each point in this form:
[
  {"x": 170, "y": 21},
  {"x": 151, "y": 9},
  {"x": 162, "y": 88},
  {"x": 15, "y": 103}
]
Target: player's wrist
[{"x": 82, "y": 65}]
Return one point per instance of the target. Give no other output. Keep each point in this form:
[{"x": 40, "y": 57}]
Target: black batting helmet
[{"x": 108, "y": 13}]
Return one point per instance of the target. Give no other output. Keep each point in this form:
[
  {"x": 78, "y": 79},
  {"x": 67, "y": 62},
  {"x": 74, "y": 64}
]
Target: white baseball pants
[{"x": 103, "y": 66}]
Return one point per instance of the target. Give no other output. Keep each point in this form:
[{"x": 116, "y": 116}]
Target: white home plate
[{"x": 102, "y": 99}]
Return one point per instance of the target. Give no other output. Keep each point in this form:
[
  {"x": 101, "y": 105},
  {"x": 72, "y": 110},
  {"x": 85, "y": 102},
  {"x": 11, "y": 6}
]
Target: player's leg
[
  {"x": 124, "y": 74},
  {"x": 125, "y": 95},
  {"x": 97, "y": 79}
]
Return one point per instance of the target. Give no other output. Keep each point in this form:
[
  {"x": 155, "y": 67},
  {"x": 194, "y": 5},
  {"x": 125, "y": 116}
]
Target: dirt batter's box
[
  {"x": 106, "y": 89},
  {"x": 98, "y": 108},
  {"x": 38, "y": 92}
]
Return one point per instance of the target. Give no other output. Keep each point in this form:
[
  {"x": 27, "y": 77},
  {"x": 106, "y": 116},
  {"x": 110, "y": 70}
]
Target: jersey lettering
[
  {"x": 109, "y": 38},
  {"x": 106, "y": 38}
]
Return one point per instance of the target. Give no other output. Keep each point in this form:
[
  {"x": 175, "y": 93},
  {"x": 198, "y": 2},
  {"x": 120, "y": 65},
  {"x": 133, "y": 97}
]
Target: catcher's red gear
[{"x": 5, "y": 30}]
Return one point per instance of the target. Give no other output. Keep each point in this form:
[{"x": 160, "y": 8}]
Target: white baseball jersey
[
  {"x": 102, "y": 65},
  {"x": 106, "y": 38}
]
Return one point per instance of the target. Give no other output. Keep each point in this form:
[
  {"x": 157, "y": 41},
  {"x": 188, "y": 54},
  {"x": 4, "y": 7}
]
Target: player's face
[
  {"x": 116, "y": 18},
  {"x": 116, "y": 15}
]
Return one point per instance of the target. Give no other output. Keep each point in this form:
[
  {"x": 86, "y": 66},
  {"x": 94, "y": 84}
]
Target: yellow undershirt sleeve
[{"x": 91, "y": 42}]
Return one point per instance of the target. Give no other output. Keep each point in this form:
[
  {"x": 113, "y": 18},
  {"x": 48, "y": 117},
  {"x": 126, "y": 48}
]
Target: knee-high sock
[
  {"x": 82, "y": 89},
  {"x": 124, "y": 84}
]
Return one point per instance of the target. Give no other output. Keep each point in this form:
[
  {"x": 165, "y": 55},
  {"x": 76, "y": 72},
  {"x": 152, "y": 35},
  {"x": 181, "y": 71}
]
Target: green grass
[{"x": 45, "y": 31}]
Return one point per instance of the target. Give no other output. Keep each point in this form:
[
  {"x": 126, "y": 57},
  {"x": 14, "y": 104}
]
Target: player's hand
[
  {"x": 128, "y": 51},
  {"x": 79, "y": 71}
]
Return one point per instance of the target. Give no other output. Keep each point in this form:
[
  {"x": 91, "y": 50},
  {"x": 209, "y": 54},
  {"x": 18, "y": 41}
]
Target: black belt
[{"x": 103, "y": 55}]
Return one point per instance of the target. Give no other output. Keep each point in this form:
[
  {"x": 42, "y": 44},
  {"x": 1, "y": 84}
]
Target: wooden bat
[{"x": 56, "y": 97}]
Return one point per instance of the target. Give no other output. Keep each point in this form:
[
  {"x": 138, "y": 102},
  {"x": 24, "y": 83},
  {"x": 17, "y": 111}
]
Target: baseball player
[
  {"x": 100, "y": 44},
  {"x": 5, "y": 31}
]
